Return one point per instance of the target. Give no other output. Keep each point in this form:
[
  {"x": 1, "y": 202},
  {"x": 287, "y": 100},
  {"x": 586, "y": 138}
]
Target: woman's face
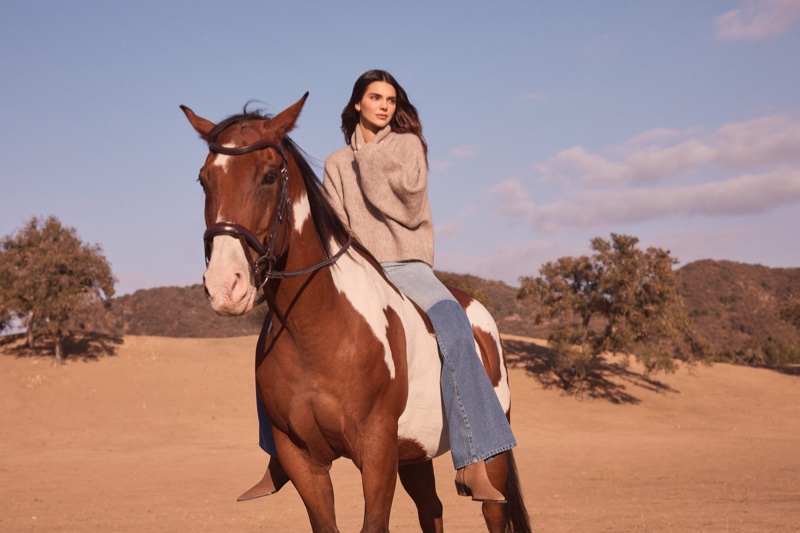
[{"x": 377, "y": 106}]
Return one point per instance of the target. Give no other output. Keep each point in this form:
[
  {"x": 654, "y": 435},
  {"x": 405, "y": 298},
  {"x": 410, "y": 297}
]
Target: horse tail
[{"x": 517, "y": 520}]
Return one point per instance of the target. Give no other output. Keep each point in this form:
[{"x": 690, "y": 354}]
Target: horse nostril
[{"x": 205, "y": 288}]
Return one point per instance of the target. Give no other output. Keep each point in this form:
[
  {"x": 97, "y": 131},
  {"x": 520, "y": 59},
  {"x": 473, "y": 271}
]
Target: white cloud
[
  {"x": 457, "y": 225},
  {"x": 687, "y": 244},
  {"x": 448, "y": 229},
  {"x": 533, "y": 96},
  {"x": 654, "y": 136},
  {"x": 767, "y": 140},
  {"x": 458, "y": 153},
  {"x": 757, "y": 20},
  {"x": 505, "y": 262},
  {"x": 744, "y": 195},
  {"x": 660, "y": 153},
  {"x": 462, "y": 152},
  {"x": 579, "y": 162},
  {"x": 511, "y": 199}
]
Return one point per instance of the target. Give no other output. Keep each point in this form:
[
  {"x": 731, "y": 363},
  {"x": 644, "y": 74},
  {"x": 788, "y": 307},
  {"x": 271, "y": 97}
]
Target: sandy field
[{"x": 162, "y": 437}]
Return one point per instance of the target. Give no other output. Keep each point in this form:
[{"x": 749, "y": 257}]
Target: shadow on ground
[
  {"x": 610, "y": 381},
  {"x": 789, "y": 370},
  {"x": 89, "y": 347}
]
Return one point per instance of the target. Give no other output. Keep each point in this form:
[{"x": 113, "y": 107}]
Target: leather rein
[{"x": 263, "y": 267}]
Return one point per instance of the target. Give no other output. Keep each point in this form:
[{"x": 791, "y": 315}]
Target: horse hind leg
[{"x": 419, "y": 482}]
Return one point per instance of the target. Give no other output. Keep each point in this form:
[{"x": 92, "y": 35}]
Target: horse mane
[
  {"x": 329, "y": 227},
  {"x": 327, "y": 223}
]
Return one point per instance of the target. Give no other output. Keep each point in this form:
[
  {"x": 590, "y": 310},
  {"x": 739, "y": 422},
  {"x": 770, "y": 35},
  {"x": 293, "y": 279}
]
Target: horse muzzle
[{"x": 229, "y": 280}]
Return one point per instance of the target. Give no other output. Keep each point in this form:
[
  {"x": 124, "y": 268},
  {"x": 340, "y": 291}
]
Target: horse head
[{"x": 245, "y": 179}]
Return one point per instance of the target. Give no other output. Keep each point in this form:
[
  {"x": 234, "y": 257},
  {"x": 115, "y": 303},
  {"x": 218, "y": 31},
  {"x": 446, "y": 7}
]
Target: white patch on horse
[
  {"x": 423, "y": 419},
  {"x": 480, "y": 319},
  {"x": 301, "y": 210},
  {"x": 222, "y": 160},
  {"x": 364, "y": 288}
]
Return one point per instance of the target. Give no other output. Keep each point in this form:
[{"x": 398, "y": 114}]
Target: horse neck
[{"x": 305, "y": 300}]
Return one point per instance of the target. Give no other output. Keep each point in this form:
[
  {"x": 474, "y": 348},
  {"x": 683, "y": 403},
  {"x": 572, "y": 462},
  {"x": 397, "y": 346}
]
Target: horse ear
[
  {"x": 284, "y": 122},
  {"x": 201, "y": 125}
]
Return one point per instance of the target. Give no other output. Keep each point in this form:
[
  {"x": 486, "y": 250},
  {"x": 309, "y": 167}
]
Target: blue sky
[{"x": 549, "y": 123}]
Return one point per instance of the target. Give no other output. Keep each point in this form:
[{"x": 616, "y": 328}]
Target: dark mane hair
[
  {"x": 327, "y": 224},
  {"x": 241, "y": 118}
]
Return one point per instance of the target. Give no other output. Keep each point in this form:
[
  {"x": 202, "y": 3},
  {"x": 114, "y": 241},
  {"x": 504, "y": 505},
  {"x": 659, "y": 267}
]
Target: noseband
[{"x": 263, "y": 267}]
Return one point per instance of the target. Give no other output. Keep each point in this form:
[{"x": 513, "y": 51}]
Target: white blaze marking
[
  {"x": 222, "y": 160},
  {"x": 302, "y": 212}
]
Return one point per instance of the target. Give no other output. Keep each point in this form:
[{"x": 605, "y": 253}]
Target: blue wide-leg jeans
[
  {"x": 265, "y": 439},
  {"x": 478, "y": 426}
]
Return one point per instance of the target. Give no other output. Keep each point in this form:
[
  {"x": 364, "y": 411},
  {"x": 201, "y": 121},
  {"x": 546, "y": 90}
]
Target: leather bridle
[{"x": 263, "y": 267}]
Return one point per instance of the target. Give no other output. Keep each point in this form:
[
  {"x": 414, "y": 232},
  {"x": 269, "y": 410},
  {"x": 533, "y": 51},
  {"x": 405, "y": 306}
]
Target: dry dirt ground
[{"x": 162, "y": 437}]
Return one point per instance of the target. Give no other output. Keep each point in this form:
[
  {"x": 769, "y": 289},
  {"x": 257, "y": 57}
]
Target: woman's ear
[{"x": 358, "y": 107}]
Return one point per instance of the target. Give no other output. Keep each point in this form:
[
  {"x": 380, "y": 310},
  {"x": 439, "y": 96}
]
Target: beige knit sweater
[{"x": 380, "y": 190}]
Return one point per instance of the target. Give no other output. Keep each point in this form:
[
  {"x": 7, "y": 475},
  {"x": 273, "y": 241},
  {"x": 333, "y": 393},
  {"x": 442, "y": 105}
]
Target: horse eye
[
  {"x": 202, "y": 183},
  {"x": 270, "y": 177}
]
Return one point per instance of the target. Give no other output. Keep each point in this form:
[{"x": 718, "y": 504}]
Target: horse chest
[{"x": 326, "y": 389}]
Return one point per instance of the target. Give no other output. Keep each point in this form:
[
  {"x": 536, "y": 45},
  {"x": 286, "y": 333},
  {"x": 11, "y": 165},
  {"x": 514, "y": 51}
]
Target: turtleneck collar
[{"x": 357, "y": 139}]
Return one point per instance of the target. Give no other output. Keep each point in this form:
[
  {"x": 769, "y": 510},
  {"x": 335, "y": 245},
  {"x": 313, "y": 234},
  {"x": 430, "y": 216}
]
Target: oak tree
[
  {"x": 621, "y": 300},
  {"x": 53, "y": 283}
]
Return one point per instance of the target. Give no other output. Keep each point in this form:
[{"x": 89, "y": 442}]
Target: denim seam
[{"x": 464, "y": 420}]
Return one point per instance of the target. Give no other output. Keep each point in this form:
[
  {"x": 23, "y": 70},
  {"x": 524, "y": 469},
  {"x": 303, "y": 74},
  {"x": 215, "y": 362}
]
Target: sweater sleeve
[
  {"x": 394, "y": 177},
  {"x": 332, "y": 188}
]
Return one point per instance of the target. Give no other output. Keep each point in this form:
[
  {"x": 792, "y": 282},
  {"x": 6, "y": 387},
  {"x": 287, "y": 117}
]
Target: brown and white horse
[{"x": 346, "y": 365}]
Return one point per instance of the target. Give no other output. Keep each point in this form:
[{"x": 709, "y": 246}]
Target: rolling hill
[{"x": 735, "y": 306}]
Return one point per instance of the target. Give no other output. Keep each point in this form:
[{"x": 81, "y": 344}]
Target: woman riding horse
[
  {"x": 378, "y": 185},
  {"x": 346, "y": 364}
]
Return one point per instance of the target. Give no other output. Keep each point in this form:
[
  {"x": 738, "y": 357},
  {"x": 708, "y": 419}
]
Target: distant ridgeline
[
  {"x": 185, "y": 312},
  {"x": 179, "y": 312},
  {"x": 735, "y": 306}
]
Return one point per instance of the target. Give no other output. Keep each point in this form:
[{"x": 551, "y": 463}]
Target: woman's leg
[
  {"x": 481, "y": 428},
  {"x": 478, "y": 426},
  {"x": 265, "y": 439},
  {"x": 274, "y": 478}
]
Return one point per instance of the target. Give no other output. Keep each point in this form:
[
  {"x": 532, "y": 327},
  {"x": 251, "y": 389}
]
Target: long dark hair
[{"x": 405, "y": 119}]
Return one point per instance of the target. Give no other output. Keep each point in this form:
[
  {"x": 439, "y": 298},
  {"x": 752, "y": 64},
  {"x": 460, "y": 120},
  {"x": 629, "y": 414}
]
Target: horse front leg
[
  {"x": 378, "y": 467},
  {"x": 420, "y": 483},
  {"x": 312, "y": 481}
]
